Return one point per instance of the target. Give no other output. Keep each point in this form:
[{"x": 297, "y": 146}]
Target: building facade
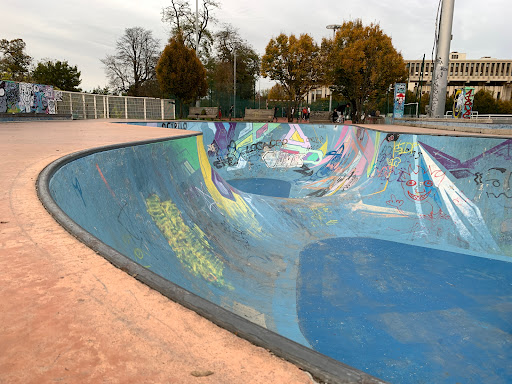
[{"x": 486, "y": 73}]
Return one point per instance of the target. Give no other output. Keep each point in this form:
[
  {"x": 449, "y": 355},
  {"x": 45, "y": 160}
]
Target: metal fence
[{"x": 89, "y": 106}]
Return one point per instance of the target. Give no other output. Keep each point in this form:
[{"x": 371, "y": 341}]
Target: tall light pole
[
  {"x": 198, "y": 102},
  {"x": 334, "y": 28},
  {"x": 440, "y": 75},
  {"x": 234, "y": 82},
  {"x": 197, "y": 26}
]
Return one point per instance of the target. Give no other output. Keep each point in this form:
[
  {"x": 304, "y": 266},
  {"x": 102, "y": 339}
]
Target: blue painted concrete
[
  {"x": 381, "y": 306},
  {"x": 388, "y": 252},
  {"x": 262, "y": 186}
]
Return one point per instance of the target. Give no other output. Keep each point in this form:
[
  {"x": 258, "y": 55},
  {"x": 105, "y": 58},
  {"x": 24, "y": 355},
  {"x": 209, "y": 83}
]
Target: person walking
[
  {"x": 275, "y": 114},
  {"x": 231, "y": 110}
]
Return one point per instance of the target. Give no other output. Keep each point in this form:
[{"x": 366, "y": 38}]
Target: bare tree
[
  {"x": 134, "y": 61},
  {"x": 183, "y": 20},
  {"x": 227, "y": 41}
]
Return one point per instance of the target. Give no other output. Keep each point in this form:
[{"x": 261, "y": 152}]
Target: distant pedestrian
[
  {"x": 219, "y": 114},
  {"x": 231, "y": 110},
  {"x": 335, "y": 116},
  {"x": 275, "y": 114},
  {"x": 347, "y": 112},
  {"x": 309, "y": 113}
]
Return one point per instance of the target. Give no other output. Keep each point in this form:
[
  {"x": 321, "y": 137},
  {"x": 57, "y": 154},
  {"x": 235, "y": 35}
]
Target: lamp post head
[{"x": 334, "y": 28}]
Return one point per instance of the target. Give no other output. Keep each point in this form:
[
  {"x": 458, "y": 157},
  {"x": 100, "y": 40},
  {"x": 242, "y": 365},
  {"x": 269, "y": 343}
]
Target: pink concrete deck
[{"x": 67, "y": 315}]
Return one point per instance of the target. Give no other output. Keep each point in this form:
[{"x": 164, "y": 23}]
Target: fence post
[
  {"x": 162, "y": 107},
  {"x": 104, "y": 107},
  {"x": 125, "y": 107},
  {"x": 95, "y": 110},
  {"x": 108, "y": 109},
  {"x": 83, "y": 106},
  {"x": 145, "y": 109}
]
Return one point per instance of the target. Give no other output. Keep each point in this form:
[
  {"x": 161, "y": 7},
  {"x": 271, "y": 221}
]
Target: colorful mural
[
  {"x": 399, "y": 105},
  {"x": 388, "y": 252},
  {"x": 463, "y": 103},
  {"x": 28, "y": 98}
]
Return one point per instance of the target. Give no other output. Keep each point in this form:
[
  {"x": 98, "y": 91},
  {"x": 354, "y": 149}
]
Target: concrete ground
[{"x": 67, "y": 315}]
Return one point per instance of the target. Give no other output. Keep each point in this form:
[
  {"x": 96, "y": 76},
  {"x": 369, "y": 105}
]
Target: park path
[{"x": 67, "y": 315}]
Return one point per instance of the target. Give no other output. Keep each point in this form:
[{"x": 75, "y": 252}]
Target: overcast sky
[{"x": 83, "y": 32}]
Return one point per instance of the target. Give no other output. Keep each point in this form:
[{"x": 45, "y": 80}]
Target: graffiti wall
[
  {"x": 372, "y": 248},
  {"x": 399, "y": 100},
  {"x": 28, "y": 98},
  {"x": 463, "y": 102}
]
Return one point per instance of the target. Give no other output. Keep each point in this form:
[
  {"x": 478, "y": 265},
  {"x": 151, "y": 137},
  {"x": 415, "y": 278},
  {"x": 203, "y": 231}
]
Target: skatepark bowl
[{"x": 359, "y": 255}]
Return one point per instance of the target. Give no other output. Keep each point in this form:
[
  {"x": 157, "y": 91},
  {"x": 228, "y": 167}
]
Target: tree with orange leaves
[
  {"x": 361, "y": 64},
  {"x": 295, "y": 63}
]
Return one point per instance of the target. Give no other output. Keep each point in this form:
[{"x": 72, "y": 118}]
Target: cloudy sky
[{"x": 83, "y": 32}]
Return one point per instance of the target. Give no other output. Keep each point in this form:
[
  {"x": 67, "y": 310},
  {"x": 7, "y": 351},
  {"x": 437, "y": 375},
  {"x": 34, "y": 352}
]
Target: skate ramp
[{"x": 389, "y": 253}]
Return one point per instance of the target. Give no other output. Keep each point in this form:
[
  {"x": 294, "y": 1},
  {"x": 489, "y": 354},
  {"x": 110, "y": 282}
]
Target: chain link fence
[{"x": 89, "y": 106}]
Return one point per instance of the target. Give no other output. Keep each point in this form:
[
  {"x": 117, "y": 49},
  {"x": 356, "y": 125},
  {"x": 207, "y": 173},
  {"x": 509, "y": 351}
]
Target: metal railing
[{"x": 90, "y": 106}]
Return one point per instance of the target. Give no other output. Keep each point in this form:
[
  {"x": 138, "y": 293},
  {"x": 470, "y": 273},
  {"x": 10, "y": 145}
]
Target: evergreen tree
[{"x": 180, "y": 72}]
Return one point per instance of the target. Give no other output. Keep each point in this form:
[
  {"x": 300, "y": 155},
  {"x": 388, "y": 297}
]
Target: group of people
[
  {"x": 230, "y": 115},
  {"x": 304, "y": 115},
  {"x": 340, "y": 113}
]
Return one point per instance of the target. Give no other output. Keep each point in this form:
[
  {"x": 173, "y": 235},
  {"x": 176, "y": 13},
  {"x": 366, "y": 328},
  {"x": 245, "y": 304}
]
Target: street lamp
[{"x": 334, "y": 28}]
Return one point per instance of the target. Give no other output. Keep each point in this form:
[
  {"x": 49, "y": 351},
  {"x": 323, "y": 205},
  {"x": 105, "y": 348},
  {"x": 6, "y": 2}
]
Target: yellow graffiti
[
  {"x": 394, "y": 162},
  {"x": 188, "y": 243},
  {"x": 371, "y": 166},
  {"x": 320, "y": 214},
  {"x": 237, "y": 209},
  {"x": 403, "y": 148},
  {"x": 398, "y": 149},
  {"x": 323, "y": 148}
]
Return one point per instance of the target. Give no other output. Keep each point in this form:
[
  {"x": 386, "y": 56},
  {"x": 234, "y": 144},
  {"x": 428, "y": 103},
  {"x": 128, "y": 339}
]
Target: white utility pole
[{"x": 440, "y": 75}]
